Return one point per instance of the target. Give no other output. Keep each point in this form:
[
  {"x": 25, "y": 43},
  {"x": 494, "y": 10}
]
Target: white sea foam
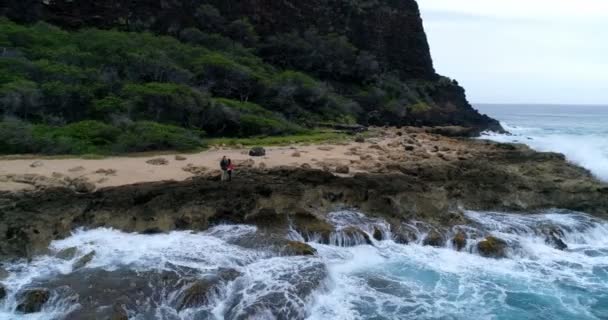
[
  {"x": 384, "y": 280},
  {"x": 588, "y": 151}
]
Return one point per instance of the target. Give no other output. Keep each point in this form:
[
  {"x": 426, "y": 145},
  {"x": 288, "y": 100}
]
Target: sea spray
[
  {"x": 374, "y": 279},
  {"x": 578, "y": 132}
]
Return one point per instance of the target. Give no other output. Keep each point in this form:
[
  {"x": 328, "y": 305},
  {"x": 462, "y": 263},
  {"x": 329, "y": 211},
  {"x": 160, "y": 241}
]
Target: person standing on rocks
[
  {"x": 230, "y": 169},
  {"x": 224, "y": 166}
]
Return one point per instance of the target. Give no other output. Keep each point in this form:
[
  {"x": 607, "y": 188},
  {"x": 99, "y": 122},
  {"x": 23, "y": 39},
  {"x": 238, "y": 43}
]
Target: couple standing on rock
[{"x": 227, "y": 167}]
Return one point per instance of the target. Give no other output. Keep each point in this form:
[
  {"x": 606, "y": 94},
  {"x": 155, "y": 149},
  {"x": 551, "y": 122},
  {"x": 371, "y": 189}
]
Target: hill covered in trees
[{"x": 145, "y": 75}]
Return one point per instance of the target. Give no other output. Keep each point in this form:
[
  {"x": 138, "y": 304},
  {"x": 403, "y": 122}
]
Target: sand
[{"x": 387, "y": 145}]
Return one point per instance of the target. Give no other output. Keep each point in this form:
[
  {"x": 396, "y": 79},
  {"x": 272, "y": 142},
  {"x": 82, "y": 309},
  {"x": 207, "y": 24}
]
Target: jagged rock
[
  {"x": 355, "y": 233},
  {"x": 257, "y": 152},
  {"x": 262, "y": 165},
  {"x": 342, "y": 169},
  {"x": 158, "y": 162},
  {"x": 305, "y": 166},
  {"x": 492, "y": 247},
  {"x": 310, "y": 226},
  {"x": 299, "y": 249},
  {"x": 67, "y": 254},
  {"x": 80, "y": 263},
  {"x": 377, "y": 234},
  {"x": 119, "y": 313},
  {"x": 194, "y": 169},
  {"x": 249, "y": 163},
  {"x": 376, "y": 146},
  {"x": 409, "y": 148},
  {"x": 296, "y": 154},
  {"x": 180, "y": 158},
  {"x": 359, "y": 139},
  {"x": 200, "y": 291},
  {"x": 556, "y": 242},
  {"x": 434, "y": 239},
  {"x": 36, "y": 164},
  {"x": 288, "y": 286},
  {"x": 32, "y": 300},
  {"x": 404, "y": 236},
  {"x": 460, "y": 240},
  {"x": 106, "y": 172},
  {"x": 76, "y": 169},
  {"x": 82, "y": 185}
]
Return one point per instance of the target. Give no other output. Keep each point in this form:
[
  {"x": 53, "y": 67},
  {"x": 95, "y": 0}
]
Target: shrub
[{"x": 149, "y": 136}]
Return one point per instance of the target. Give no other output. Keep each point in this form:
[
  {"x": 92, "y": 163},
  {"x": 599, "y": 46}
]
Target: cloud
[
  {"x": 522, "y": 50},
  {"x": 529, "y": 9}
]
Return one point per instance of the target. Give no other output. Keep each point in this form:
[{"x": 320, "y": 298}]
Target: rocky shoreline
[{"x": 434, "y": 189}]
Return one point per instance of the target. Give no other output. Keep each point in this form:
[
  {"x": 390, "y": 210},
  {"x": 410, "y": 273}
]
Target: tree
[
  {"x": 242, "y": 31},
  {"x": 20, "y": 98},
  {"x": 209, "y": 18}
]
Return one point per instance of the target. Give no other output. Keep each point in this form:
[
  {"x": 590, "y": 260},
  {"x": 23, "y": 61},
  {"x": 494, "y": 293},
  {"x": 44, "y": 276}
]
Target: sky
[{"x": 522, "y": 51}]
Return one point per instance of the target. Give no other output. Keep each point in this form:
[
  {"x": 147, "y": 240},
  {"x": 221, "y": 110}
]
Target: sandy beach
[{"x": 344, "y": 158}]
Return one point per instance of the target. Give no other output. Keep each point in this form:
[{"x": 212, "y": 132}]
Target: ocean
[
  {"x": 579, "y": 132},
  {"x": 355, "y": 278}
]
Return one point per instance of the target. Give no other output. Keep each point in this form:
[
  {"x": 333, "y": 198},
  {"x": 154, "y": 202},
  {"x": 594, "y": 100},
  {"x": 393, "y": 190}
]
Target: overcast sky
[{"x": 522, "y": 51}]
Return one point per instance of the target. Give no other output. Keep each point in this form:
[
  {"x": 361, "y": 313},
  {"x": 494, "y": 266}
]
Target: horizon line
[{"x": 541, "y": 104}]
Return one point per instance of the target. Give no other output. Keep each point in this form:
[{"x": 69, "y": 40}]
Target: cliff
[{"x": 391, "y": 31}]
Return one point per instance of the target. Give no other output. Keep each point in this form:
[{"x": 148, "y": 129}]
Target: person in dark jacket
[{"x": 224, "y": 166}]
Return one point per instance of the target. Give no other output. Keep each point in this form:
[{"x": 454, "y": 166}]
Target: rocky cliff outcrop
[
  {"x": 392, "y": 30},
  {"x": 497, "y": 177}
]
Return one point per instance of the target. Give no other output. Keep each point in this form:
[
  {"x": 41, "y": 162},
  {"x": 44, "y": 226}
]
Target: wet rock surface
[
  {"x": 84, "y": 260},
  {"x": 32, "y": 300},
  {"x": 104, "y": 294},
  {"x": 283, "y": 295},
  {"x": 493, "y": 177},
  {"x": 492, "y": 247}
]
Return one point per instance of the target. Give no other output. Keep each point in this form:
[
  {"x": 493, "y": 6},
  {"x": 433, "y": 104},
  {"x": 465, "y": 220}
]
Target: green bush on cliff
[
  {"x": 219, "y": 77},
  {"x": 94, "y": 137}
]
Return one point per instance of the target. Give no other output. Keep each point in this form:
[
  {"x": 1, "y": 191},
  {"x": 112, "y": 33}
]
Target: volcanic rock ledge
[{"x": 497, "y": 177}]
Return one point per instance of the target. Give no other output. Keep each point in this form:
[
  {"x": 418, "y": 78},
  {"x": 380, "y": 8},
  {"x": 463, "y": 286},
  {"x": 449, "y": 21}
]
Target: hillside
[{"x": 116, "y": 76}]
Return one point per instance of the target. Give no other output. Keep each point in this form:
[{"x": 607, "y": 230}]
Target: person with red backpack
[{"x": 229, "y": 169}]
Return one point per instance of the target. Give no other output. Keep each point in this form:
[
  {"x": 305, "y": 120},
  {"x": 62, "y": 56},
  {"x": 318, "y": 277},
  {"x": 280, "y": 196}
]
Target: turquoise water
[
  {"x": 385, "y": 280},
  {"x": 382, "y": 280},
  {"x": 579, "y": 132}
]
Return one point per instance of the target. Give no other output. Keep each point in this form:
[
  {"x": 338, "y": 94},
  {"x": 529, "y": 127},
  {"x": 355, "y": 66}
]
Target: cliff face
[{"x": 392, "y": 30}]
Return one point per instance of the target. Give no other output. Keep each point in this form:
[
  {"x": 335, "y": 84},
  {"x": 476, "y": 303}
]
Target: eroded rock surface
[{"x": 492, "y": 177}]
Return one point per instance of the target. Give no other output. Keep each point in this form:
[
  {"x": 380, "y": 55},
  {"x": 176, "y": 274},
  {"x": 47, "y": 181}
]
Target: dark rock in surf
[
  {"x": 299, "y": 249},
  {"x": 556, "y": 242},
  {"x": 32, "y": 300},
  {"x": 119, "y": 313},
  {"x": 354, "y": 236},
  {"x": 492, "y": 247},
  {"x": 460, "y": 240},
  {"x": 284, "y": 293},
  {"x": 2, "y": 292},
  {"x": 434, "y": 239},
  {"x": 83, "y": 261},
  {"x": 199, "y": 292},
  {"x": 311, "y": 227},
  {"x": 67, "y": 253},
  {"x": 378, "y": 234},
  {"x": 3, "y": 273}
]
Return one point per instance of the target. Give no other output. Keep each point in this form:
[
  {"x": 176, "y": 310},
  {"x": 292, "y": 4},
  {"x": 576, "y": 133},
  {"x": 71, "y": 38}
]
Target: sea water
[
  {"x": 579, "y": 132},
  {"x": 374, "y": 279}
]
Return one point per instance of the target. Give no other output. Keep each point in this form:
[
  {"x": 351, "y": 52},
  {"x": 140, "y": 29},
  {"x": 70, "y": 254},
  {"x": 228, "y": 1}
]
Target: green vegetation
[
  {"x": 104, "y": 91},
  {"x": 314, "y": 136}
]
